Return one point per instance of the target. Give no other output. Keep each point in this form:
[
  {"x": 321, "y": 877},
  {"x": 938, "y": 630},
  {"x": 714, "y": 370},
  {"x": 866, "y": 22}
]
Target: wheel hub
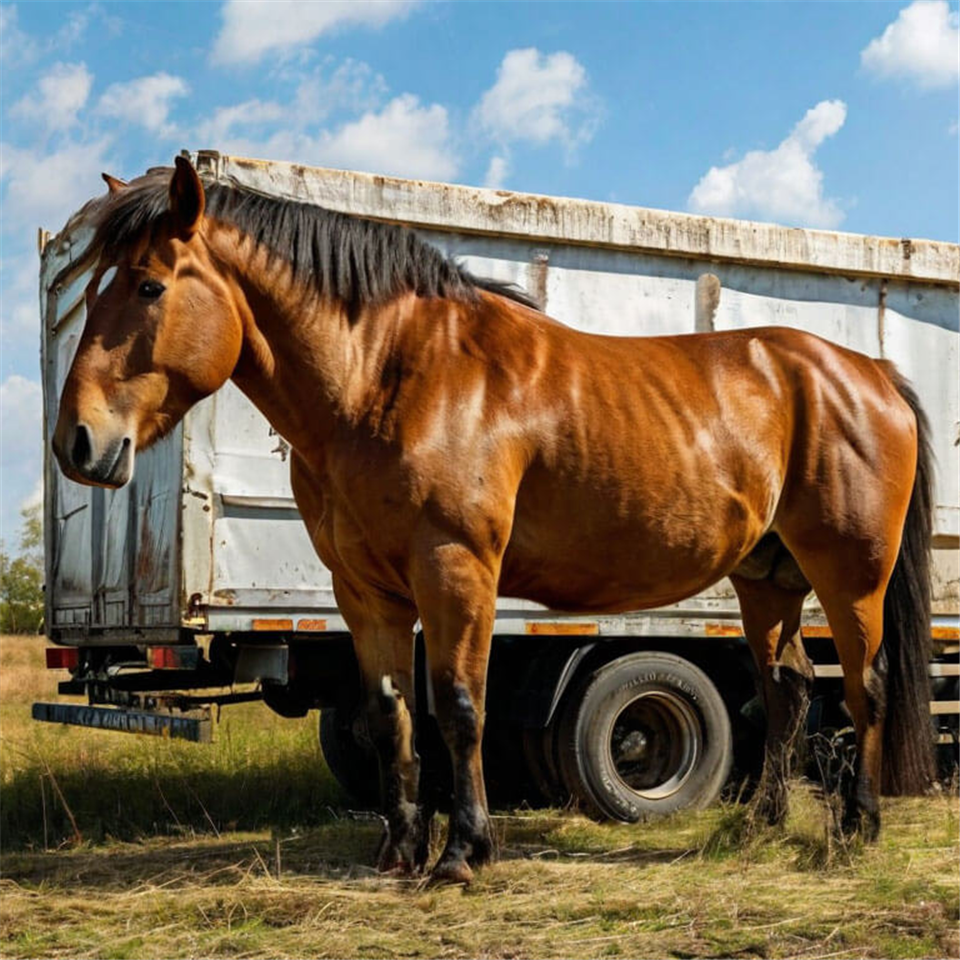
[{"x": 655, "y": 743}]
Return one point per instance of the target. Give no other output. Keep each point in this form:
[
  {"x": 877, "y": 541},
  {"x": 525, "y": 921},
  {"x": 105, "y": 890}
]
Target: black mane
[{"x": 347, "y": 258}]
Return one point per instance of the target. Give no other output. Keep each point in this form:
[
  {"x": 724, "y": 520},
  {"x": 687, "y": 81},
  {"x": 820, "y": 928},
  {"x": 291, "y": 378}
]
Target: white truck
[{"x": 199, "y": 576}]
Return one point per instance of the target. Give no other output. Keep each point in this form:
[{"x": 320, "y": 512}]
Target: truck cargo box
[{"x": 207, "y": 536}]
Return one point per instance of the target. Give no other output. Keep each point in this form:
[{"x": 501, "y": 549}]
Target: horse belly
[{"x": 579, "y": 550}]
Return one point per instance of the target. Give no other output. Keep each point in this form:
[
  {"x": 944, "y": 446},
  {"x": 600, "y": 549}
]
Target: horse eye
[{"x": 150, "y": 289}]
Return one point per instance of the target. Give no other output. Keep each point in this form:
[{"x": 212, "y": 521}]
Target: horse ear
[
  {"x": 114, "y": 184},
  {"x": 186, "y": 197}
]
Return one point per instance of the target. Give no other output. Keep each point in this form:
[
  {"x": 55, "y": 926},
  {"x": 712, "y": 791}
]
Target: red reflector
[
  {"x": 164, "y": 658},
  {"x": 62, "y": 658}
]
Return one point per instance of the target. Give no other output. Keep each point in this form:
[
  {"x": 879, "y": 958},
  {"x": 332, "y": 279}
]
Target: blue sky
[{"x": 833, "y": 115}]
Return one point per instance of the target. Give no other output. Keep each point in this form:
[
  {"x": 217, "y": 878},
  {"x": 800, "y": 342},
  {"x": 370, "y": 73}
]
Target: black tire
[
  {"x": 540, "y": 754},
  {"x": 353, "y": 764},
  {"x": 644, "y": 736}
]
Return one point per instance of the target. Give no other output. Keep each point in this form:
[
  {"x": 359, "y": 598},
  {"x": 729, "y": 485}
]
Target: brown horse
[{"x": 450, "y": 442}]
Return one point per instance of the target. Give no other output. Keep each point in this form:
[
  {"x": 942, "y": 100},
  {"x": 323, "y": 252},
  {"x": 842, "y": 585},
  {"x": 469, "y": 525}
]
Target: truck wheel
[
  {"x": 644, "y": 736},
  {"x": 540, "y": 753},
  {"x": 353, "y": 764}
]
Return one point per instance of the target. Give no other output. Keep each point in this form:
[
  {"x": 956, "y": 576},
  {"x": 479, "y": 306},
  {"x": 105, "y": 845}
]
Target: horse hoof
[
  {"x": 451, "y": 871},
  {"x": 395, "y": 863}
]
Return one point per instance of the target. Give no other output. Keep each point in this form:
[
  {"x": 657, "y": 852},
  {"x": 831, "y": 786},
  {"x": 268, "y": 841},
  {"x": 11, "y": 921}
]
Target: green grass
[
  {"x": 243, "y": 848},
  {"x": 261, "y": 770}
]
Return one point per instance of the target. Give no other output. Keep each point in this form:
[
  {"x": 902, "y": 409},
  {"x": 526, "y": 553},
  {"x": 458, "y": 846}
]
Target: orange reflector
[
  {"x": 945, "y": 633},
  {"x": 272, "y": 624},
  {"x": 564, "y": 629},
  {"x": 62, "y": 658},
  {"x": 722, "y": 630},
  {"x": 314, "y": 625},
  {"x": 816, "y": 631}
]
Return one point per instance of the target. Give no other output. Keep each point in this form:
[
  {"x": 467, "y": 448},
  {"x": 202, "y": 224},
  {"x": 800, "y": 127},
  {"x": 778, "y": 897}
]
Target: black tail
[{"x": 908, "y": 750}]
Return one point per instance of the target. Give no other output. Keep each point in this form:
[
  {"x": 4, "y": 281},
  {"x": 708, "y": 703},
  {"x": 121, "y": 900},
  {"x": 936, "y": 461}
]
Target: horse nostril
[{"x": 82, "y": 449}]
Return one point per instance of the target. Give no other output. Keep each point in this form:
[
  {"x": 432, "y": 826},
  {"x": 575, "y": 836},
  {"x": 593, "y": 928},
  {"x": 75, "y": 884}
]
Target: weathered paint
[{"x": 208, "y": 534}]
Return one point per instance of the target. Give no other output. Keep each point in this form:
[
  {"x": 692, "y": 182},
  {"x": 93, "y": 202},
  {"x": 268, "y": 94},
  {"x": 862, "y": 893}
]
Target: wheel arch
[{"x": 557, "y": 667}]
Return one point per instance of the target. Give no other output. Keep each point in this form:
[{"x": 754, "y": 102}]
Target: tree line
[{"x": 21, "y": 577}]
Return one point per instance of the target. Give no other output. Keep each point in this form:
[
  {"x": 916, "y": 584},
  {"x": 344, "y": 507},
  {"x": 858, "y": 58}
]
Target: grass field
[{"x": 244, "y": 848}]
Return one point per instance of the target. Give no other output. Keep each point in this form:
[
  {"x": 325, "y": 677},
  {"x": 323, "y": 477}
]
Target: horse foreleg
[
  {"x": 456, "y": 594},
  {"x": 383, "y": 639},
  {"x": 771, "y": 622}
]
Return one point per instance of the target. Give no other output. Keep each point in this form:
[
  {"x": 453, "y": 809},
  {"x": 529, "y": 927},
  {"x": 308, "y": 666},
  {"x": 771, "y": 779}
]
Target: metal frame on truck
[{"x": 198, "y": 576}]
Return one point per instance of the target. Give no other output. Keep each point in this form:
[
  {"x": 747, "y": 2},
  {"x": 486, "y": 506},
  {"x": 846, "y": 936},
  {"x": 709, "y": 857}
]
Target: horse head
[{"x": 163, "y": 329}]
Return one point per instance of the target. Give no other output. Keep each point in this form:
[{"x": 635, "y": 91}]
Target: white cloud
[
  {"x": 43, "y": 189},
  {"x": 352, "y": 86},
  {"x": 249, "y": 114},
  {"x": 496, "y": 172},
  {"x": 537, "y": 98},
  {"x": 15, "y": 46},
  {"x": 21, "y": 447},
  {"x": 18, "y": 47},
  {"x": 146, "y": 100},
  {"x": 783, "y": 184},
  {"x": 922, "y": 44},
  {"x": 19, "y": 305},
  {"x": 61, "y": 93},
  {"x": 20, "y": 416},
  {"x": 404, "y": 139},
  {"x": 253, "y": 27}
]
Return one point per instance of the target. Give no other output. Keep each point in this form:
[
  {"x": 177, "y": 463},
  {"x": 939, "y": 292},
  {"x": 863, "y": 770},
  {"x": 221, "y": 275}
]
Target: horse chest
[{"x": 355, "y": 535}]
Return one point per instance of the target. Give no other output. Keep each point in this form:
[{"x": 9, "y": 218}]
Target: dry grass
[{"x": 689, "y": 887}]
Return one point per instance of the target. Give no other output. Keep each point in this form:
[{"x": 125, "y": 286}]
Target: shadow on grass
[
  {"x": 45, "y": 805},
  {"x": 330, "y": 852},
  {"x": 344, "y": 849}
]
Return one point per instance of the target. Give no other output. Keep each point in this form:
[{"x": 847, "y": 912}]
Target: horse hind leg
[
  {"x": 771, "y": 610},
  {"x": 850, "y": 583}
]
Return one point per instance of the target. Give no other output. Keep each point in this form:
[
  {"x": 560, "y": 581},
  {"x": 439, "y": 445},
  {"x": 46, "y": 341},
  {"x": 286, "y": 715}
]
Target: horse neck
[{"x": 309, "y": 365}]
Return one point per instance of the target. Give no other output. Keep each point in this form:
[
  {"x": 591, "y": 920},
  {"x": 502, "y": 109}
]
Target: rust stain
[
  {"x": 537, "y": 271},
  {"x": 145, "y": 555},
  {"x": 563, "y": 629}
]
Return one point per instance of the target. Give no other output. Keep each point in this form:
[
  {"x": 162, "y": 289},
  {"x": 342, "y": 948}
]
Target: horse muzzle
[{"x": 86, "y": 460}]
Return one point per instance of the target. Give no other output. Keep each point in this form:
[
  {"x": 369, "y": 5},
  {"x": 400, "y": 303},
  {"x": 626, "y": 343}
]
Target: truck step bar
[{"x": 195, "y": 726}]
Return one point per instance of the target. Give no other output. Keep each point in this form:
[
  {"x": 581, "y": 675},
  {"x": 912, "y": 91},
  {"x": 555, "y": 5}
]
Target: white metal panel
[
  {"x": 921, "y": 334},
  {"x": 258, "y": 554}
]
